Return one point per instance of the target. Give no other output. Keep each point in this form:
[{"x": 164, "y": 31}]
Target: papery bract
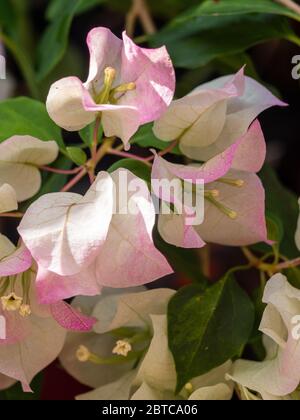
[
  {"x": 139, "y": 87},
  {"x": 215, "y": 115},
  {"x": 6, "y": 382},
  {"x": 80, "y": 245},
  {"x": 8, "y": 199},
  {"x": 20, "y": 158},
  {"x": 157, "y": 377}
]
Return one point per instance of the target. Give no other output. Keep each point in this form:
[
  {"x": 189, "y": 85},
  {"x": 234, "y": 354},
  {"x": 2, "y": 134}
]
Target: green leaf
[
  {"x": 238, "y": 7},
  {"x": 293, "y": 276},
  {"x": 146, "y": 138},
  {"x": 282, "y": 205},
  {"x": 7, "y": 16},
  {"x": 185, "y": 262},
  {"x": 208, "y": 328},
  {"x": 138, "y": 168},
  {"x": 25, "y": 116},
  {"x": 77, "y": 155},
  {"x": 53, "y": 44},
  {"x": 195, "y": 42}
]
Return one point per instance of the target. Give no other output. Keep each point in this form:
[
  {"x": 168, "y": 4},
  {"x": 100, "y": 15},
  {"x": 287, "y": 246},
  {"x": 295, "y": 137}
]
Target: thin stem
[
  {"x": 61, "y": 171},
  {"x": 24, "y": 64},
  {"x": 17, "y": 215},
  {"x": 139, "y": 10},
  {"x": 290, "y": 5},
  {"x": 128, "y": 155}
]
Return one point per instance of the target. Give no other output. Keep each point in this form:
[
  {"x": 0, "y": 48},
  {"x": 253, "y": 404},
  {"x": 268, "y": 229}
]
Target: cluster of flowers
[{"x": 72, "y": 245}]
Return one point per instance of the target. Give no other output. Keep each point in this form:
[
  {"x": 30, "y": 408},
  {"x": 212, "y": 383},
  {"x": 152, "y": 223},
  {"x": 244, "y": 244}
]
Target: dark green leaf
[
  {"x": 195, "y": 42},
  {"x": 208, "y": 328},
  {"x": 53, "y": 44},
  {"x": 238, "y": 7},
  {"x": 138, "y": 168},
  {"x": 77, "y": 155},
  {"x": 25, "y": 116}
]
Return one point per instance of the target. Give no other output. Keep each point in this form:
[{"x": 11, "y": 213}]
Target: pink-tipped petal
[
  {"x": 64, "y": 231},
  {"x": 251, "y": 152}
]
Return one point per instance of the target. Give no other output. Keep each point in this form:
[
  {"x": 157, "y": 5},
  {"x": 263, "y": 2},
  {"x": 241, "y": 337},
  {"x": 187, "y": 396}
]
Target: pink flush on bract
[{"x": 129, "y": 85}]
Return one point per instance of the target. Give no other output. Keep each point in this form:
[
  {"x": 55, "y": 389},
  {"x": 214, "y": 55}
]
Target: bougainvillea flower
[
  {"x": 116, "y": 311},
  {"x": 156, "y": 377},
  {"x": 234, "y": 211},
  {"x": 13, "y": 260},
  {"x": 128, "y": 85},
  {"x": 132, "y": 331},
  {"x": 213, "y": 116},
  {"x": 279, "y": 374},
  {"x": 81, "y": 244},
  {"x": 20, "y": 158}
]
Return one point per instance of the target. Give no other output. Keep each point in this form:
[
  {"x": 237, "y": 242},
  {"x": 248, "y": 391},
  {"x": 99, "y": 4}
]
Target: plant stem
[{"x": 24, "y": 64}]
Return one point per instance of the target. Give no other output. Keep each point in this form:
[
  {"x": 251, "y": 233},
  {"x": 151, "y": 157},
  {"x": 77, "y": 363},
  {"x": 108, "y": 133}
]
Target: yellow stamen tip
[
  {"x": 122, "y": 348},
  {"x": 215, "y": 193},
  {"x": 232, "y": 214},
  {"x": 131, "y": 86},
  {"x": 240, "y": 183},
  {"x": 25, "y": 310},
  {"x": 12, "y": 302},
  {"x": 109, "y": 74},
  {"x": 83, "y": 354}
]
